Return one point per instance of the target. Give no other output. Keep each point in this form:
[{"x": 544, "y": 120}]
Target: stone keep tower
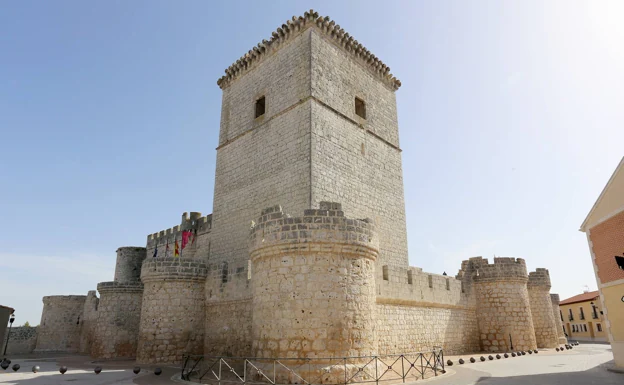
[
  {"x": 119, "y": 308},
  {"x": 308, "y": 116}
]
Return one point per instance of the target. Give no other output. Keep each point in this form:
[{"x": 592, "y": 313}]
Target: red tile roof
[{"x": 589, "y": 296}]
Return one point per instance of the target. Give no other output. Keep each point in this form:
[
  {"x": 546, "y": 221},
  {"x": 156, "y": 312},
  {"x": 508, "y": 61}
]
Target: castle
[{"x": 305, "y": 254}]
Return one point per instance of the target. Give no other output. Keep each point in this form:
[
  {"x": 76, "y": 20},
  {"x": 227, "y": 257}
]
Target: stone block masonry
[
  {"x": 503, "y": 308},
  {"x": 59, "y": 329},
  {"x": 119, "y": 315},
  {"x": 22, "y": 340},
  {"x": 557, "y": 314},
  {"x": 313, "y": 284},
  {"x": 88, "y": 323},
  {"x": 172, "y": 311},
  {"x": 541, "y": 309}
]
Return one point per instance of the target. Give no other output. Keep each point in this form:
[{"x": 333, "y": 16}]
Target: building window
[
  {"x": 260, "y": 107},
  {"x": 585, "y": 327},
  {"x": 360, "y": 108},
  {"x": 384, "y": 270},
  {"x": 599, "y": 327},
  {"x": 570, "y": 316},
  {"x": 410, "y": 277},
  {"x": 561, "y": 315},
  {"x": 582, "y": 314},
  {"x": 448, "y": 284}
]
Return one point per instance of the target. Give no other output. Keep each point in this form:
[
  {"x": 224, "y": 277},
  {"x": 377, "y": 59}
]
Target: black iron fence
[{"x": 312, "y": 371}]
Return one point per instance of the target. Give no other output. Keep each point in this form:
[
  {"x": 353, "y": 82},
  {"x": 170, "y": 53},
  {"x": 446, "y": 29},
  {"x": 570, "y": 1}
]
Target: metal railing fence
[{"x": 377, "y": 369}]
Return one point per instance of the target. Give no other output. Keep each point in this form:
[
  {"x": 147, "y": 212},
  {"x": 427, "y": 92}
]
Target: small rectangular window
[
  {"x": 585, "y": 327},
  {"x": 384, "y": 270},
  {"x": 409, "y": 277},
  {"x": 360, "y": 108},
  {"x": 430, "y": 281},
  {"x": 599, "y": 327},
  {"x": 448, "y": 284},
  {"x": 260, "y": 107}
]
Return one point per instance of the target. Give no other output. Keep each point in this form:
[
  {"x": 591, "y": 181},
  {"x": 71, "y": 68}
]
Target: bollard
[{"x": 63, "y": 369}]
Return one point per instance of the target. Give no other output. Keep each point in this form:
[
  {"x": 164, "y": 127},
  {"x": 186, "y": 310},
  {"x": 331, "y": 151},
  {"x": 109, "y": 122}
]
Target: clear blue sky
[{"x": 511, "y": 117}]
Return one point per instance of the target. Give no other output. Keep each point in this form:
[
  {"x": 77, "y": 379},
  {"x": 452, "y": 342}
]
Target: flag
[
  {"x": 185, "y": 238},
  {"x": 155, "y": 251},
  {"x": 176, "y": 250}
]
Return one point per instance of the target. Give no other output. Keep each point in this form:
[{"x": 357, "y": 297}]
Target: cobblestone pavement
[{"x": 586, "y": 364}]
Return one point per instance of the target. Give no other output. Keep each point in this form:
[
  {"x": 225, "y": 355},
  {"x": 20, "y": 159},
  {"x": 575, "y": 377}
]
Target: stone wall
[
  {"x": 554, "y": 298},
  {"x": 172, "y": 311},
  {"x": 541, "y": 309},
  {"x": 119, "y": 315},
  {"x": 59, "y": 329},
  {"x": 22, "y": 340},
  {"x": 228, "y": 316},
  {"x": 408, "y": 328},
  {"x": 88, "y": 323},
  {"x": 313, "y": 284}
]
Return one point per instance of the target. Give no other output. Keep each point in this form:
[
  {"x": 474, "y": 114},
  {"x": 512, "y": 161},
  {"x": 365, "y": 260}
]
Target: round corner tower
[
  {"x": 119, "y": 307},
  {"x": 502, "y": 303},
  {"x": 554, "y": 298},
  {"x": 59, "y": 330},
  {"x": 172, "y": 314},
  {"x": 313, "y": 284},
  {"x": 541, "y": 309}
]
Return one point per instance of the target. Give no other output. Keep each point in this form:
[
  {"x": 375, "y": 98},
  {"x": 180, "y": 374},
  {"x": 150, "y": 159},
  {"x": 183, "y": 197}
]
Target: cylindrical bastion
[
  {"x": 172, "y": 313},
  {"x": 129, "y": 261},
  {"x": 503, "y": 308},
  {"x": 541, "y": 309},
  {"x": 59, "y": 329},
  {"x": 313, "y": 284},
  {"x": 119, "y": 314},
  {"x": 119, "y": 309},
  {"x": 554, "y": 298}
]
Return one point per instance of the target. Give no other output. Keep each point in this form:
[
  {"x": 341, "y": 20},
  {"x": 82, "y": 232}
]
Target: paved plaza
[{"x": 584, "y": 365}]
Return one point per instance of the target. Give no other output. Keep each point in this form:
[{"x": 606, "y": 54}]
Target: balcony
[
  {"x": 581, "y": 316},
  {"x": 571, "y": 318},
  {"x": 595, "y": 316}
]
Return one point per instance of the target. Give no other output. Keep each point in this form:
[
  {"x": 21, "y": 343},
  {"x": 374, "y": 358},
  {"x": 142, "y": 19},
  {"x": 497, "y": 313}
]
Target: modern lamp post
[{"x": 9, "y": 335}]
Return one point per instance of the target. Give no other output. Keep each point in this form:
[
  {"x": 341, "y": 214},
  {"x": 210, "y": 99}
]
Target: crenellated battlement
[
  {"x": 478, "y": 269},
  {"x": 292, "y": 28},
  {"x": 418, "y": 288},
  {"x": 194, "y": 221},
  {"x": 323, "y": 228},
  {"x": 540, "y": 278}
]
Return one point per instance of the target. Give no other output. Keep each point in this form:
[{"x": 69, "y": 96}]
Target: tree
[{"x": 26, "y": 324}]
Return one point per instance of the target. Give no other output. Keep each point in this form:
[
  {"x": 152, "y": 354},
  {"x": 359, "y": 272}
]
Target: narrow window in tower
[
  {"x": 409, "y": 277},
  {"x": 448, "y": 284},
  {"x": 360, "y": 108},
  {"x": 260, "y": 107},
  {"x": 599, "y": 326},
  {"x": 384, "y": 270}
]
